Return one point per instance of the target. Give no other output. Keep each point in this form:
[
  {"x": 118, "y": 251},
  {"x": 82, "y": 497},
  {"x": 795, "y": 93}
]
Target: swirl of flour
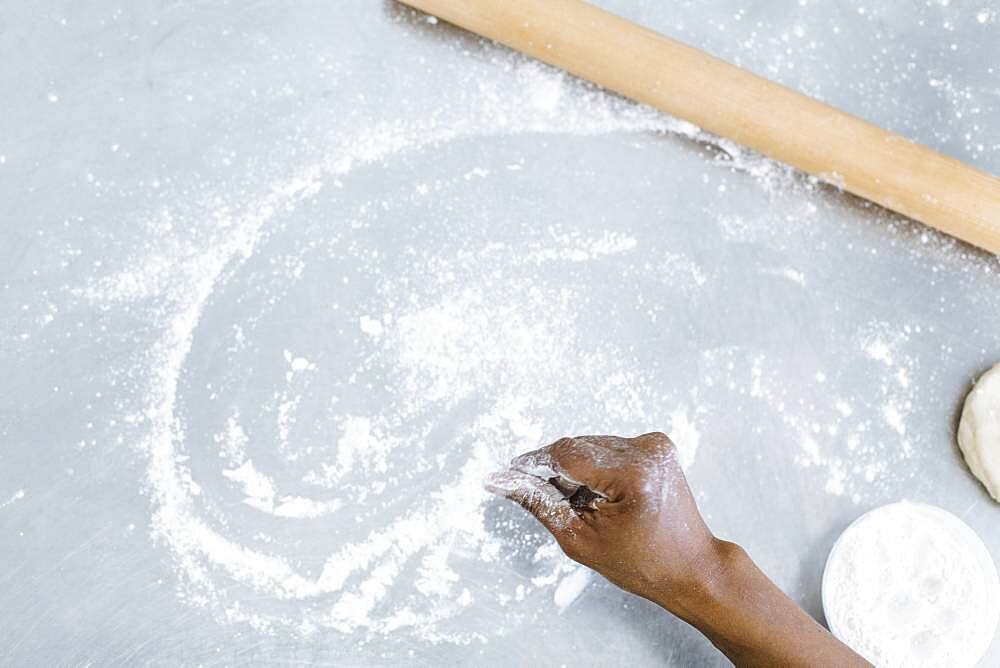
[
  {"x": 315, "y": 449},
  {"x": 358, "y": 574}
]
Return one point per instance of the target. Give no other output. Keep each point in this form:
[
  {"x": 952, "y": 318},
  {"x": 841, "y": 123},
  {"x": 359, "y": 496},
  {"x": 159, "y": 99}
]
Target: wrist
[
  {"x": 748, "y": 618},
  {"x": 714, "y": 582}
]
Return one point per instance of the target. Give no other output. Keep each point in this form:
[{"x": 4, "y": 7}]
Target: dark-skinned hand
[{"x": 622, "y": 507}]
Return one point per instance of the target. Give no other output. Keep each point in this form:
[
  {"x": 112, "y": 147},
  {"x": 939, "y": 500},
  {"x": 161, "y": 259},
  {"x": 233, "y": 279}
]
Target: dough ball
[
  {"x": 979, "y": 431},
  {"x": 910, "y": 584}
]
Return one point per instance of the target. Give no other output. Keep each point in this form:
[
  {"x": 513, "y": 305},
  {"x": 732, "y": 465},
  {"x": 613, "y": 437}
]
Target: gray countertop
[{"x": 280, "y": 282}]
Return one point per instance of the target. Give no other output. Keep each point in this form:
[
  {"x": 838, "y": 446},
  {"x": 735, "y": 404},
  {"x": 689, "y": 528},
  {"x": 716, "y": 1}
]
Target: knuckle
[
  {"x": 660, "y": 437},
  {"x": 658, "y": 440},
  {"x": 563, "y": 449},
  {"x": 563, "y": 444}
]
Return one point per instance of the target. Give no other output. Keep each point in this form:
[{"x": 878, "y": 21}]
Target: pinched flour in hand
[{"x": 321, "y": 407}]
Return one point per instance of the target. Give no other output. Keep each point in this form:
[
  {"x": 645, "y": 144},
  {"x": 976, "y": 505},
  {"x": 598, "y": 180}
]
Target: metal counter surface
[{"x": 377, "y": 256}]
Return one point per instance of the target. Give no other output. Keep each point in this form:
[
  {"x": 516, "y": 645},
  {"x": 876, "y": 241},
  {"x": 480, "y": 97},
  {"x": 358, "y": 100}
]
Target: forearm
[
  {"x": 647, "y": 536},
  {"x": 750, "y": 620}
]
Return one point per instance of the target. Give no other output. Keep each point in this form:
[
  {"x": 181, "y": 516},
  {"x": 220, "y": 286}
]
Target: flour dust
[{"x": 328, "y": 391}]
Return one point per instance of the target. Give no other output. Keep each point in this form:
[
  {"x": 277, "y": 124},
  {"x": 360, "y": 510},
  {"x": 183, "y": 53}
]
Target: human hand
[
  {"x": 623, "y": 507},
  {"x": 620, "y": 506}
]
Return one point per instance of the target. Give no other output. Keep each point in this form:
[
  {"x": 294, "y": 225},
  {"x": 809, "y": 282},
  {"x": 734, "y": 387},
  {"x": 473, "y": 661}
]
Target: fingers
[
  {"x": 537, "y": 496},
  {"x": 537, "y": 463},
  {"x": 567, "y": 458},
  {"x": 613, "y": 467},
  {"x": 566, "y": 466},
  {"x": 656, "y": 441},
  {"x": 591, "y": 461}
]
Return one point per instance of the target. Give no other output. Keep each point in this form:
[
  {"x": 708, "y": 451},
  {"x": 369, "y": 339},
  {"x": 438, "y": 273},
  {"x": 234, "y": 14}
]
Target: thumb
[{"x": 537, "y": 496}]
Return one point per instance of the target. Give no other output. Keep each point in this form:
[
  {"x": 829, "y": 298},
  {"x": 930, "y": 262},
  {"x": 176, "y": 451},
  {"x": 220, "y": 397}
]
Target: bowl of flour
[{"x": 910, "y": 584}]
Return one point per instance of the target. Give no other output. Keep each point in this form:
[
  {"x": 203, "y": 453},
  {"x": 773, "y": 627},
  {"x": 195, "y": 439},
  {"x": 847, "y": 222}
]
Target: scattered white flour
[
  {"x": 368, "y": 475},
  {"x": 545, "y": 94},
  {"x": 298, "y": 363},
  {"x": 878, "y": 350},
  {"x": 258, "y": 488},
  {"x": 259, "y": 493},
  {"x": 14, "y": 498},
  {"x": 686, "y": 437},
  {"x": 359, "y": 446},
  {"x": 442, "y": 351},
  {"x": 569, "y": 246},
  {"x": 909, "y": 584},
  {"x": 570, "y": 587},
  {"x": 789, "y": 273},
  {"x": 370, "y": 326},
  {"x": 821, "y": 423}
]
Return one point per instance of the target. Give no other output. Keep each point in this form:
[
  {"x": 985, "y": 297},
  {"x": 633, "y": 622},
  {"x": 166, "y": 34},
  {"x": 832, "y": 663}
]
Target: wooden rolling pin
[{"x": 788, "y": 126}]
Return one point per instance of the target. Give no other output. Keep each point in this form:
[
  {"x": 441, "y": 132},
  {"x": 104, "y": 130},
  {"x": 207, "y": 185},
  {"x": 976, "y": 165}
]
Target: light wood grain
[{"x": 728, "y": 101}]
